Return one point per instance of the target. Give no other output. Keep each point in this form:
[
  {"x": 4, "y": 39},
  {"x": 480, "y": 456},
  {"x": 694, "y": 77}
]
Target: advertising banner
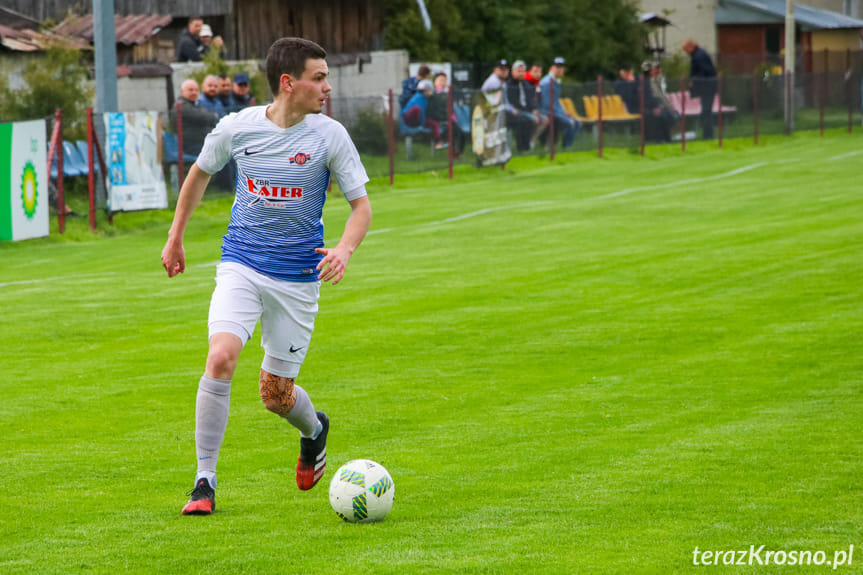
[
  {"x": 488, "y": 129},
  {"x": 24, "y": 204},
  {"x": 135, "y": 177}
]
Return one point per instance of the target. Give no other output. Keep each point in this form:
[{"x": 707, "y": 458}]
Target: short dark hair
[
  {"x": 423, "y": 72},
  {"x": 288, "y": 56}
]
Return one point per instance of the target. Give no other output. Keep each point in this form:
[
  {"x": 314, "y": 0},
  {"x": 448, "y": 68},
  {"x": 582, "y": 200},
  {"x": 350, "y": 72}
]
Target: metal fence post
[
  {"x": 449, "y": 126},
  {"x": 91, "y": 183},
  {"x": 181, "y": 163},
  {"x": 599, "y": 111},
  {"x": 642, "y": 88},
  {"x": 683, "y": 114},
  {"x": 391, "y": 138},
  {"x": 755, "y": 105},
  {"x": 719, "y": 94},
  {"x": 552, "y": 137}
]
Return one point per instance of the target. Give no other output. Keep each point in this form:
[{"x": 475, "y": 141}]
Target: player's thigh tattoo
[{"x": 277, "y": 392}]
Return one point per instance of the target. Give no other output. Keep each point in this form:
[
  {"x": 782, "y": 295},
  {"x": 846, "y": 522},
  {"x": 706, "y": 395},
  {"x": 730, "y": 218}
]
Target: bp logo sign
[{"x": 29, "y": 190}]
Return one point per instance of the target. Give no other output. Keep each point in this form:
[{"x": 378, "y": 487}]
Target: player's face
[{"x": 312, "y": 89}]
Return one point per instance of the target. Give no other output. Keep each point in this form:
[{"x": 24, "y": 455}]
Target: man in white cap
[{"x": 414, "y": 114}]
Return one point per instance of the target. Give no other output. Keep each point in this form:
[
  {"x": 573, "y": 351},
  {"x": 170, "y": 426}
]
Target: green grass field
[{"x": 591, "y": 366}]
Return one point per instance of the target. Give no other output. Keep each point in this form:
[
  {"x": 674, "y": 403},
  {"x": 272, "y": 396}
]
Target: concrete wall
[
  {"x": 691, "y": 18},
  {"x": 134, "y": 94}
]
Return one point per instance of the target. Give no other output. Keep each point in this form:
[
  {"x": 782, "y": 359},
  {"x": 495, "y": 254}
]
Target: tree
[
  {"x": 59, "y": 80},
  {"x": 594, "y": 36}
]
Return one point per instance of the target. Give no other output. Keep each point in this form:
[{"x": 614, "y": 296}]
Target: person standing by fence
[{"x": 702, "y": 78}]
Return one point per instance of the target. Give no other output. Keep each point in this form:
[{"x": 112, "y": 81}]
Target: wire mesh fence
[{"x": 458, "y": 126}]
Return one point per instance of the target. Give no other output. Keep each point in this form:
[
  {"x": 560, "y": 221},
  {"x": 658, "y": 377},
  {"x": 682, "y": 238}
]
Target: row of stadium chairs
[
  {"x": 75, "y": 156},
  {"x": 613, "y": 109},
  {"x": 74, "y": 160}
]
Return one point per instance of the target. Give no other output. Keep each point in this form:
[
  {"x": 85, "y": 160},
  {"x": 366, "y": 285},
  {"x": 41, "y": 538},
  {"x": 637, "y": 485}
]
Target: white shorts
[{"x": 287, "y": 310}]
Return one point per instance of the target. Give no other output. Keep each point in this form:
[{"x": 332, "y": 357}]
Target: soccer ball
[{"x": 362, "y": 491}]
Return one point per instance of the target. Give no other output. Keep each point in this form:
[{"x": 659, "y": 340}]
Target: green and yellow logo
[{"x": 29, "y": 190}]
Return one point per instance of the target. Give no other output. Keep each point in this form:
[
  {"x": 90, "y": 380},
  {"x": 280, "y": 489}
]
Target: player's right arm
[
  {"x": 173, "y": 255},
  {"x": 214, "y": 155}
]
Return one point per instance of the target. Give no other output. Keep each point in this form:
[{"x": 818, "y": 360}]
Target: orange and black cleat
[
  {"x": 202, "y": 500},
  {"x": 313, "y": 456}
]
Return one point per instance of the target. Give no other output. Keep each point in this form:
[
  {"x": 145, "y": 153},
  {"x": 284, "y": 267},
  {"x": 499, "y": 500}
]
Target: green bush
[{"x": 369, "y": 133}]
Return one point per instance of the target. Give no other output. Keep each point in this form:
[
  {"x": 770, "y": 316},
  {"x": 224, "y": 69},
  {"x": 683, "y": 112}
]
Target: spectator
[
  {"x": 534, "y": 75},
  {"x": 440, "y": 83},
  {"x": 563, "y": 122},
  {"x": 663, "y": 111},
  {"x": 211, "y": 42},
  {"x": 415, "y": 116},
  {"x": 437, "y": 110},
  {"x": 225, "y": 88},
  {"x": 627, "y": 88},
  {"x": 190, "y": 47},
  {"x": 522, "y": 113},
  {"x": 240, "y": 95},
  {"x": 197, "y": 122},
  {"x": 702, "y": 83},
  {"x": 409, "y": 86},
  {"x": 209, "y": 99},
  {"x": 493, "y": 85}
]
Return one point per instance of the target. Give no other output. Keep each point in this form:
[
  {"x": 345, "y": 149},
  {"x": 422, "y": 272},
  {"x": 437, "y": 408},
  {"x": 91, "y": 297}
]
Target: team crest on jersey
[
  {"x": 301, "y": 158},
  {"x": 273, "y": 196}
]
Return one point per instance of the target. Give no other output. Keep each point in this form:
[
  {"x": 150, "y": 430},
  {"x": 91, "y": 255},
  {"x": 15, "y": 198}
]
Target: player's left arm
[{"x": 332, "y": 267}]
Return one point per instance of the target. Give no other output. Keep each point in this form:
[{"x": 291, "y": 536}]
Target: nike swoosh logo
[
  {"x": 248, "y": 153},
  {"x": 296, "y": 349}
]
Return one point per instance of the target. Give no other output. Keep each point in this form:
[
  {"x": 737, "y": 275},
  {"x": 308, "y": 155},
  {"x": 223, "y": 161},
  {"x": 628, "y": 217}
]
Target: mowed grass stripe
[{"x": 579, "y": 386}]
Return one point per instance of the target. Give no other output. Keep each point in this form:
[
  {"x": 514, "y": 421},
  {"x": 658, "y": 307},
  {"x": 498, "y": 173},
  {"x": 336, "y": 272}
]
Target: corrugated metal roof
[
  {"x": 129, "y": 30},
  {"x": 805, "y": 16},
  {"x": 26, "y": 40}
]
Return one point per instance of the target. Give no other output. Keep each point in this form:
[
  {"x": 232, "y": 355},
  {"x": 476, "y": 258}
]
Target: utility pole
[
  {"x": 790, "y": 57},
  {"x": 106, "y": 56}
]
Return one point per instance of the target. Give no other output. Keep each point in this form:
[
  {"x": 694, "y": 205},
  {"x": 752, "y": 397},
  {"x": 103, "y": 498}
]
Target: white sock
[
  {"x": 211, "y": 419},
  {"x": 303, "y": 415}
]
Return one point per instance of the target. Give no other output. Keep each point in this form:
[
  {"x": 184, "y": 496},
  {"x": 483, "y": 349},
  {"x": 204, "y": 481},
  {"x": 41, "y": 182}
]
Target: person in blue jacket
[
  {"x": 563, "y": 122},
  {"x": 414, "y": 113}
]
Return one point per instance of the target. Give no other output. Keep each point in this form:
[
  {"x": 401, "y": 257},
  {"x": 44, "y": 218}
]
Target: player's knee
[
  {"x": 221, "y": 363},
  {"x": 277, "y": 392}
]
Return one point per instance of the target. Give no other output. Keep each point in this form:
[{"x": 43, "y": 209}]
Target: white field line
[
  {"x": 468, "y": 215},
  {"x": 628, "y": 191},
  {"x": 57, "y": 278},
  {"x": 843, "y": 156}
]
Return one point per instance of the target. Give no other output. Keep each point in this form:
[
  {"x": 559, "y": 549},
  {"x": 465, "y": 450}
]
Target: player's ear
[{"x": 286, "y": 83}]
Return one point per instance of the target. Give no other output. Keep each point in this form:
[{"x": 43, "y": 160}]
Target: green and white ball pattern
[{"x": 362, "y": 491}]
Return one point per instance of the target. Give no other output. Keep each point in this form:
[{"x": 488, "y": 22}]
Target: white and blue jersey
[{"x": 282, "y": 179}]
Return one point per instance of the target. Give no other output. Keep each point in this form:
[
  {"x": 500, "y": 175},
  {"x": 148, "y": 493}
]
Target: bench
[{"x": 693, "y": 105}]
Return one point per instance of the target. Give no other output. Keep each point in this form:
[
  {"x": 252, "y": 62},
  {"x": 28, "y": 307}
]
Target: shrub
[{"x": 369, "y": 133}]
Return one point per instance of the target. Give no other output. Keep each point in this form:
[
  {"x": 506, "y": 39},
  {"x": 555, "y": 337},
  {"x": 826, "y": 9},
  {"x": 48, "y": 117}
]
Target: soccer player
[{"x": 273, "y": 259}]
